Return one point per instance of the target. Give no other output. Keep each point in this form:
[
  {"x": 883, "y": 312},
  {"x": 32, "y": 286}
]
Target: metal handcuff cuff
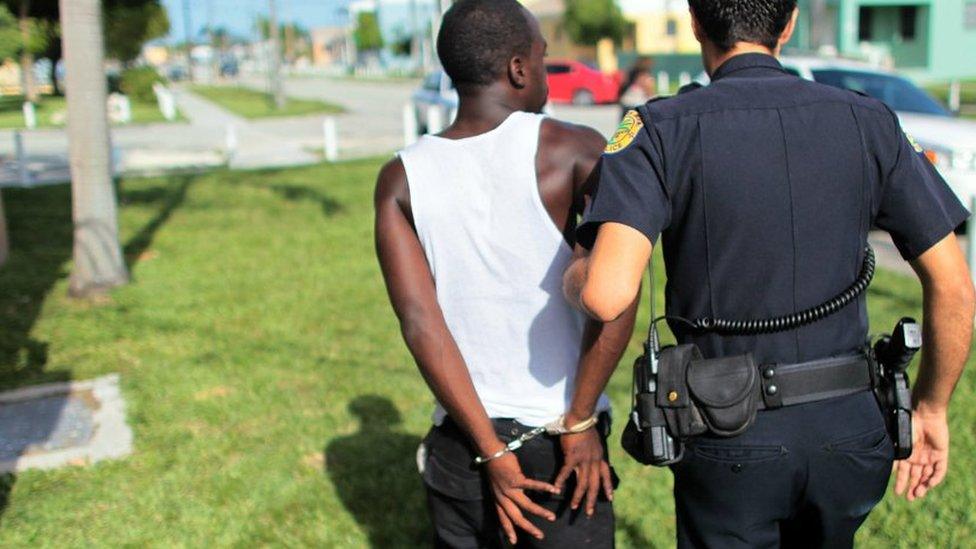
[{"x": 554, "y": 428}]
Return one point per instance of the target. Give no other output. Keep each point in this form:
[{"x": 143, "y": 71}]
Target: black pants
[
  {"x": 462, "y": 507},
  {"x": 802, "y": 476}
]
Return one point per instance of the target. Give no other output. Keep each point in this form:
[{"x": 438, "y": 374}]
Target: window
[
  {"x": 970, "y": 16},
  {"x": 672, "y": 27},
  {"x": 865, "y": 21},
  {"x": 909, "y": 16},
  {"x": 557, "y": 69}
]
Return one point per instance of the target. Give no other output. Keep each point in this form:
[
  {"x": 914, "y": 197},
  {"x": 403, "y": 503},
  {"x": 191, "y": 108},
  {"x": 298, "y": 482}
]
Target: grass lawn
[
  {"x": 52, "y": 107},
  {"x": 256, "y": 104},
  {"x": 272, "y": 400}
]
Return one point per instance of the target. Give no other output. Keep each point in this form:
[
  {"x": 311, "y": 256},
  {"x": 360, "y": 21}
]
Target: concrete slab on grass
[{"x": 58, "y": 424}]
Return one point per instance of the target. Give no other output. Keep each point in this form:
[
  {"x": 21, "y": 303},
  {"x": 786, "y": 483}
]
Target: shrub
[{"x": 138, "y": 83}]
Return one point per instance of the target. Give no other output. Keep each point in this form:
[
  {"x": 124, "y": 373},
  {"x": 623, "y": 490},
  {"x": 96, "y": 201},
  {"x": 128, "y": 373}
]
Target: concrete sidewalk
[{"x": 257, "y": 145}]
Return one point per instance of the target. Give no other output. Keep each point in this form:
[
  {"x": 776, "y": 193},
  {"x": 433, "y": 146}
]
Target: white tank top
[{"x": 498, "y": 260}]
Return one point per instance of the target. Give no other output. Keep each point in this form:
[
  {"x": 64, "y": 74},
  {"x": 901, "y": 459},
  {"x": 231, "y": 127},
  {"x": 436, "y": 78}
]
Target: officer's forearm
[
  {"x": 947, "y": 334},
  {"x": 603, "y": 345}
]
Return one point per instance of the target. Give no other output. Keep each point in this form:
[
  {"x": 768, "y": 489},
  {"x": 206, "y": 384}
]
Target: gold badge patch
[{"x": 626, "y": 132}]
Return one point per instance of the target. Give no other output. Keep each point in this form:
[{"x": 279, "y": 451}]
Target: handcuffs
[{"x": 554, "y": 428}]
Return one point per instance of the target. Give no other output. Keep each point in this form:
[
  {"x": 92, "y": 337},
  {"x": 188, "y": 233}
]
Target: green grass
[
  {"x": 255, "y": 104},
  {"x": 967, "y": 96},
  {"x": 272, "y": 399},
  {"x": 52, "y": 112}
]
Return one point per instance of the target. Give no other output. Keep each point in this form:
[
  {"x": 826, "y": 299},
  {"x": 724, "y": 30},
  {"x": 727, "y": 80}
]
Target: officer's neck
[{"x": 714, "y": 57}]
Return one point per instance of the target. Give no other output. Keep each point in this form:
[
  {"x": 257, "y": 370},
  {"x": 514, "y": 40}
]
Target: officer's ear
[
  {"x": 518, "y": 72},
  {"x": 787, "y": 33},
  {"x": 697, "y": 28}
]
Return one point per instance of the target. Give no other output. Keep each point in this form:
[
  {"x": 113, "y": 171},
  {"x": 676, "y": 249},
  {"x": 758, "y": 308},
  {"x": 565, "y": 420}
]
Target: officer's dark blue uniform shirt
[{"x": 763, "y": 187}]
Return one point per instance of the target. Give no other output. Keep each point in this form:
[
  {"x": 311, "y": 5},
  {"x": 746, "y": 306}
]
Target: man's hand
[
  {"x": 508, "y": 485},
  {"x": 583, "y": 454},
  {"x": 929, "y": 462}
]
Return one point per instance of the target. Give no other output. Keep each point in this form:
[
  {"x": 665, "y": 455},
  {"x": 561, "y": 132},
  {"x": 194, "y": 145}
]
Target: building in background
[
  {"x": 550, "y": 16},
  {"x": 661, "y": 27},
  {"x": 925, "y": 39},
  {"x": 330, "y": 45}
]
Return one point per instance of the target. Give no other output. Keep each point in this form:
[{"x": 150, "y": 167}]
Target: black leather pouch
[
  {"x": 726, "y": 393},
  {"x": 698, "y": 396}
]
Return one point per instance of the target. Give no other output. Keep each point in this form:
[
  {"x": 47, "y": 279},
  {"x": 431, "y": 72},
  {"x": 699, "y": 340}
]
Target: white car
[
  {"x": 950, "y": 142},
  {"x": 436, "y": 91}
]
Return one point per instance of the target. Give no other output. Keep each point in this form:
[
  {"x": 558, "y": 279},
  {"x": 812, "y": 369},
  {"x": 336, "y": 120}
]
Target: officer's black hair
[
  {"x": 727, "y": 22},
  {"x": 479, "y": 37}
]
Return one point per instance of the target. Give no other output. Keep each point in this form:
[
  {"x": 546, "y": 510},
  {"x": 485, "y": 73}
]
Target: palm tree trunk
[
  {"x": 98, "y": 263},
  {"x": 26, "y": 57}
]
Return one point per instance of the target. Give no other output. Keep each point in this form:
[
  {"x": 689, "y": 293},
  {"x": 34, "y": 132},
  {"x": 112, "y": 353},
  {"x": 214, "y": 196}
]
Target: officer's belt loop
[
  {"x": 771, "y": 395},
  {"x": 816, "y": 380}
]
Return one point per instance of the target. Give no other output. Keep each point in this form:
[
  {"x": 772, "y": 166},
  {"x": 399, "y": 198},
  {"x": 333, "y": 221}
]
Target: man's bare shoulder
[
  {"x": 564, "y": 137},
  {"x": 391, "y": 183}
]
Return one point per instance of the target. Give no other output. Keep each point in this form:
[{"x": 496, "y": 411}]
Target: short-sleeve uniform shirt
[{"x": 762, "y": 187}]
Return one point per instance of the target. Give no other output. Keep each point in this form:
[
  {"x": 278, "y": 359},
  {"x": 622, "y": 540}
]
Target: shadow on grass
[
  {"x": 296, "y": 193},
  {"x": 6, "y": 486},
  {"x": 41, "y": 232},
  {"x": 172, "y": 197},
  {"x": 375, "y": 474},
  {"x": 633, "y": 534}
]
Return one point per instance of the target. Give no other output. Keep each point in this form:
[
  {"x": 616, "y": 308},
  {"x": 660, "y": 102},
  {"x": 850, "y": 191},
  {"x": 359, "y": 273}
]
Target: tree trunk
[
  {"x": 274, "y": 61},
  {"x": 26, "y": 58},
  {"x": 4, "y": 240},
  {"x": 98, "y": 264},
  {"x": 55, "y": 87}
]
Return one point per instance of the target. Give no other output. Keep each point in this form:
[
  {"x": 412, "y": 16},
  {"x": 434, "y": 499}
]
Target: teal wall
[{"x": 944, "y": 47}]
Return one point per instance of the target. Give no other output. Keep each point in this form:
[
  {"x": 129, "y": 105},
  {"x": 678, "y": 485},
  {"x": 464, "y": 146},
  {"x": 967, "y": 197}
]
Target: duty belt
[{"x": 806, "y": 382}]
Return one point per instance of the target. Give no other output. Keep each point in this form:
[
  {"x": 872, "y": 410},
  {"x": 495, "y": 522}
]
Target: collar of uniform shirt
[{"x": 748, "y": 61}]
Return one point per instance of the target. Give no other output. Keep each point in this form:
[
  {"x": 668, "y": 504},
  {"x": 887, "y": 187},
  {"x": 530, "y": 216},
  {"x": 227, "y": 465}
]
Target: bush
[{"x": 138, "y": 83}]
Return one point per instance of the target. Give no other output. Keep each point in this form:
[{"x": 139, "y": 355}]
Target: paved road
[{"x": 373, "y": 122}]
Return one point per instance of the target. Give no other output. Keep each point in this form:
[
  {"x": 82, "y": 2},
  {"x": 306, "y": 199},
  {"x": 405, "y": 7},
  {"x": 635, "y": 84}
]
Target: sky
[{"x": 238, "y": 15}]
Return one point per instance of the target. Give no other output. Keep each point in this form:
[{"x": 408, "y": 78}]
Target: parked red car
[{"x": 576, "y": 83}]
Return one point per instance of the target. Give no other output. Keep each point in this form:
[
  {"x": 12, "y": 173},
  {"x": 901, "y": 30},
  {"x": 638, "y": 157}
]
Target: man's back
[
  {"x": 773, "y": 184},
  {"x": 497, "y": 260}
]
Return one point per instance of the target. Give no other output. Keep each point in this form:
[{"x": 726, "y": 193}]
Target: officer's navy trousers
[{"x": 802, "y": 476}]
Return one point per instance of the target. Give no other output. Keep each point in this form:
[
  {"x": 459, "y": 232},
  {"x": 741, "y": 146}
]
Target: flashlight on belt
[
  {"x": 893, "y": 353},
  {"x": 661, "y": 447}
]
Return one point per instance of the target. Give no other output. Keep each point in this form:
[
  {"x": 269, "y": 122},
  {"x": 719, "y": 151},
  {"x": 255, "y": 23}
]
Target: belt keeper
[{"x": 771, "y": 392}]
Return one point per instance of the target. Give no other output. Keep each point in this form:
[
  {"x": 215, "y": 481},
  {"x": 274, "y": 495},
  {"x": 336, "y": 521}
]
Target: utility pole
[
  {"x": 214, "y": 58},
  {"x": 415, "y": 38},
  {"x": 818, "y": 24},
  {"x": 274, "y": 63},
  {"x": 98, "y": 264},
  {"x": 188, "y": 36}
]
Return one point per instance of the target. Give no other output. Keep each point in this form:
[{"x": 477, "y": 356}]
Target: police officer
[{"x": 763, "y": 187}]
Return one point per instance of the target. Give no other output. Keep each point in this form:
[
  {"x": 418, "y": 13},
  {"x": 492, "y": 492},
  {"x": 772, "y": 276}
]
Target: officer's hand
[
  {"x": 583, "y": 454},
  {"x": 508, "y": 484},
  {"x": 929, "y": 461}
]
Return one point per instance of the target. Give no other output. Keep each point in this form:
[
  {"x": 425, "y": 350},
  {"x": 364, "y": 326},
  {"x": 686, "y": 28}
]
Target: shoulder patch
[
  {"x": 918, "y": 148},
  {"x": 628, "y": 129}
]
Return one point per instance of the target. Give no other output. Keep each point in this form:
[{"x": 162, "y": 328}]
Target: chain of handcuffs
[{"x": 557, "y": 427}]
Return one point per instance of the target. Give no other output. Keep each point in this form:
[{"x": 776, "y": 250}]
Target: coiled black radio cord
[{"x": 795, "y": 320}]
